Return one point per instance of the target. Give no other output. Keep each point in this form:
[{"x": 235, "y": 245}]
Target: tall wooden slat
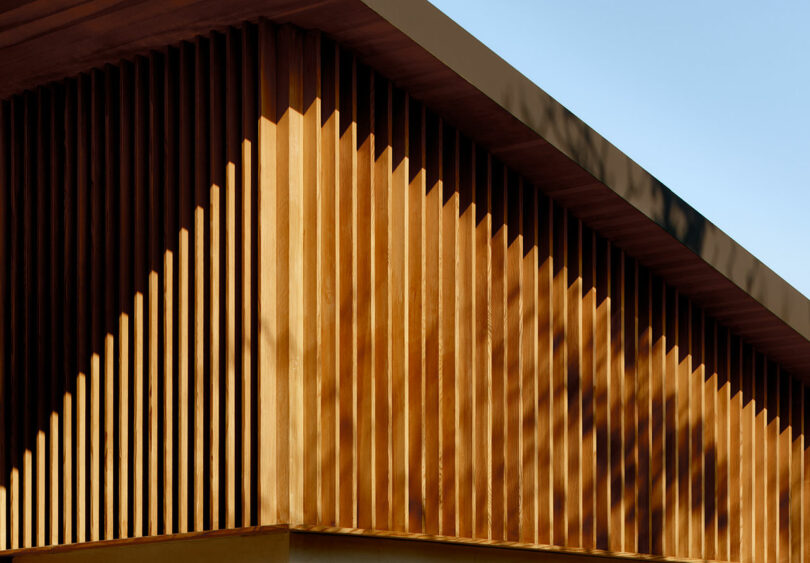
[
  {"x": 573, "y": 341},
  {"x": 42, "y": 347},
  {"x": 448, "y": 360},
  {"x": 233, "y": 166},
  {"x": 15, "y": 375},
  {"x": 400, "y": 304},
  {"x": 329, "y": 283},
  {"x": 82, "y": 300},
  {"x": 309, "y": 85},
  {"x": 268, "y": 327},
  {"x": 365, "y": 368},
  {"x": 185, "y": 189},
  {"x": 545, "y": 381},
  {"x": 69, "y": 324},
  {"x": 125, "y": 289},
  {"x": 29, "y": 355},
  {"x": 170, "y": 237},
  {"x": 154, "y": 258},
  {"x": 603, "y": 395},
  {"x": 797, "y": 492},
  {"x": 111, "y": 303},
  {"x": 201, "y": 301},
  {"x": 559, "y": 398},
  {"x": 529, "y": 382},
  {"x": 589, "y": 454},
  {"x": 684, "y": 428},
  {"x": 380, "y": 319},
  {"x": 466, "y": 354},
  {"x": 248, "y": 195},
  {"x": 709, "y": 344},
  {"x": 618, "y": 449},
  {"x": 735, "y": 456},
  {"x": 723, "y": 477},
  {"x": 643, "y": 330},
  {"x": 672, "y": 430},
  {"x": 748, "y": 460},
  {"x": 658, "y": 481},
  {"x": 498, "y": 252},
  {"x": 630, "y": 383},
  {"x": 347, "y": 291},
  {"x": 216, "y": 288},
  {"x": 416, "y": 315},
  {"x": 5, "y": 403},
  {"x": 512, "y": 375}
]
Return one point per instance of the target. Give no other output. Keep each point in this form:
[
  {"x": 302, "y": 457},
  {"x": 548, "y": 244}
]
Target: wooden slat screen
[{"x": 248, "y": 280}]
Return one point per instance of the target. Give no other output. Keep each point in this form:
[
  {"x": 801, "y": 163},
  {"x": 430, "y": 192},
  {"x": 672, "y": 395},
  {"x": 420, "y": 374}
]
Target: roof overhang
[{"x": 428, "y": 54}]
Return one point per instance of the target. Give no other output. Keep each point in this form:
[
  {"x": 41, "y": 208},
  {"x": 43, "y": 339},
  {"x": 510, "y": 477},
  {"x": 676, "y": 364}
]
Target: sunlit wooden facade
[{"x": 250, "y": 279}]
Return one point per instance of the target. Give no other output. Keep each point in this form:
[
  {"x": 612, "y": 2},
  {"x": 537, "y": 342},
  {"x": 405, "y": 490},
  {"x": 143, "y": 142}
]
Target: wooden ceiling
[{"x": 472, "y": 88}]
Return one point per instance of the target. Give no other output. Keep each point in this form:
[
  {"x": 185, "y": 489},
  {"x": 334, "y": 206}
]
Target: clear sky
[{"x": 711, "y": 97}]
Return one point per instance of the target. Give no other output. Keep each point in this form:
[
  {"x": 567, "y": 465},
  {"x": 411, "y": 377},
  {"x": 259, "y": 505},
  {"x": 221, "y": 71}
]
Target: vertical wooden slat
[
  {"x": 722, "y": 483},
  {"x": 268, "y": 328},
  {"x": 380, "y": 320},
  {"x": 761, "y": 455},
  {"x": 16, "y": 371},
  {"x": 448, "y": 361},
  {"x": 644, "y": 378},
  {"x": 658, "y": 481},
  {"x": 465, "y": 383},
  {"x": 529, "y": 400},
  {"x": 329, "y": 283},
  {"x": 498, "y": 252},
  {"x": 154, "y": 257},
  {"x": 806, "y": 476},
  {"x": 5, "y": 403},
  {"x": 618, "y": 449},
  {"x": 748, "y": 455},
  {"x": 306, "y": 484},
  {"x": 347, "y": 290},
  {"x": 416, "y": 315},
  {"x": 735, "y": 456},
  {"x": 96, "y": 294},
  {"x": 602, "y": 393},
  {"x": 216, "y": 287},
  {"x": 82, "y": 306},
  {"x": 111, "y": 304},
  {"x": 170, "y": 237},
  {"x": 233, "y": 165},
  {"x": 400, "y": 306},
  {"x": 545, "y": 381},
  {"x": 696, "y": 425},
  {"x": 684, "y": 425},
  {"x": 573, "y": 337},
  {"x": 140, "y": 277},
  {"x": 589, "y": 454},
  {"x": 247, "y": 220},
  {"x": 201, "y": 206},
  {"x": 672, "y": 430},
  {"x": 513, "y": 403},
  {"x": 709, "y": 344},
  {"x": 773, "y": 461},
  {"x": 797, "y": 492},
  {"x": 69, "y": 322},
  {"x": 784, "y": 446},
  {"x": 559, "y": 399},
  {"x": 364, "y": 394},
  {"x": 184, "y": 273},
  {"x": 29, "y": 365},
  {"x": 42, "y": 347},
  {"x": 125, "y": 290},
  {"x": 631, "y": 446}
]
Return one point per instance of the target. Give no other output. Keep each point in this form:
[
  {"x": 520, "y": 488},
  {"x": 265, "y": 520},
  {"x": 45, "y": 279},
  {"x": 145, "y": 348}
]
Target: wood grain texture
[{"x": 252, "y": 281}]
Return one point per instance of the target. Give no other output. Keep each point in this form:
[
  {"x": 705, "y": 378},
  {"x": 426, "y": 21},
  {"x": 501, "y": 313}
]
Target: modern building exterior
[{"x": 328, "y": 280}]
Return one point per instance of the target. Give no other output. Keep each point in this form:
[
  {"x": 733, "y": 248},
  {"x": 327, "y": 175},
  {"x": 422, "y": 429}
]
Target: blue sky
[{"x": 712, "y": 98}]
